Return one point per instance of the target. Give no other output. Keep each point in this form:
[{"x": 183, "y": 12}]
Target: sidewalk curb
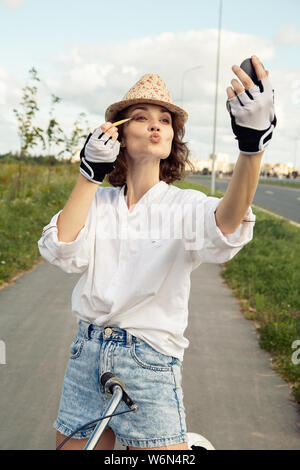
[{"x": 275, "y": 215}]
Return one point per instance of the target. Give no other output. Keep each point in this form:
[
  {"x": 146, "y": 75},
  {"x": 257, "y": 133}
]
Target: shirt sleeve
[
  {"x": 71, "y": 257},
  {"x": 212, "y": 245}
]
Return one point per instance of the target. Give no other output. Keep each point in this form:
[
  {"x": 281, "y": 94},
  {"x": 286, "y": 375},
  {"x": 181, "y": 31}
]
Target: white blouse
[{"x": 136, "y": 263}]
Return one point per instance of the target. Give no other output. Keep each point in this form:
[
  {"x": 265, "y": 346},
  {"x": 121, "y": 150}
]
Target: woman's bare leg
[
  {"x": 181, "y": 446},
  {"x": 107, "y": 441}
]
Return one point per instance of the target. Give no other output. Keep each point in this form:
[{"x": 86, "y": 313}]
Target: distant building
[
  {"x": 222, "y": 165},
  {"x": 277, "y": 169}
]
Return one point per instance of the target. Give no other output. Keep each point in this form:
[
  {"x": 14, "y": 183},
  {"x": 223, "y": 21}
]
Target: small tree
[
  {"x": 54, "y": 134},
  {"x": 28, "y": 133},
  {"x": 78, "y": 132}
]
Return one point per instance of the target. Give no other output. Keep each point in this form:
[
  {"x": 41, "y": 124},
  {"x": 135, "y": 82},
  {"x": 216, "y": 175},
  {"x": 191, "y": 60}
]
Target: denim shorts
[{"x": 152, "y": 380}]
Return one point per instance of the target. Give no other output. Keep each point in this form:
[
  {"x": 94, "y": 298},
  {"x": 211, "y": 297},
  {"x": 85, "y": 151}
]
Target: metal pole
[
  {"x": 212, "y": 187},
  {"x": 98, "y": 431},
  {"x": 295, "y": 154}
]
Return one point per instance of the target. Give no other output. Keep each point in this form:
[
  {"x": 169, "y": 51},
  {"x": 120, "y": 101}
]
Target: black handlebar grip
[
  {"x": 105, "y": 377},
  {"x": 113, "y": 380}
]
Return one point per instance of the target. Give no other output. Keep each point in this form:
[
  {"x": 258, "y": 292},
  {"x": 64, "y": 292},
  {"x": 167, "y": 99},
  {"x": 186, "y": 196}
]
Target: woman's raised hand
[
  {"x": 108, "y": 129},
  {"x": 251, "y": 109},
  {"x": 99, "y": 152}
]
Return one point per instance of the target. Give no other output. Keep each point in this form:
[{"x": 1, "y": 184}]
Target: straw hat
[{"x": 149, "y": 89}]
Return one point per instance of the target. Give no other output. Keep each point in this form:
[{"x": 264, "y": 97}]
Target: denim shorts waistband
[{"x": 106, "y": 333}]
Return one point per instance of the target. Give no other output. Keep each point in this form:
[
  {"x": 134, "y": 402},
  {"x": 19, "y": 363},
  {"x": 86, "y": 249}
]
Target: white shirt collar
[{"x": 151, "y": 195}]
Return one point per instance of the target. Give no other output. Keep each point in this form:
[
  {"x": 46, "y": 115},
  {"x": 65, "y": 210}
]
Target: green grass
[
  {"x": 285, "y": 182},
  {"x": 22, "y": 219},
  {"x": 264, "y": 275},
  {"x": 199, "y": 187},
  {"x": 281, "y": 183}
]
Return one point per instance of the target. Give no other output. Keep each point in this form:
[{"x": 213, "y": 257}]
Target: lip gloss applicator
[
  {"x": 117, "y": 123},
  {"x": 121, "y": 122}
]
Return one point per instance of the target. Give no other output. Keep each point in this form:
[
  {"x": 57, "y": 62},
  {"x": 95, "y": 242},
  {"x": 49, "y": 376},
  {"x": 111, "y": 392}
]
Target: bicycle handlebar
[{"x": 109, "y": 382}]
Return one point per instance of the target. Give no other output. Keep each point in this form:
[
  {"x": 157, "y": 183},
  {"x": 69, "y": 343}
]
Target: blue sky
[
  {"x": 38, "y": 29},
  {"x": 51, "y": 35}
]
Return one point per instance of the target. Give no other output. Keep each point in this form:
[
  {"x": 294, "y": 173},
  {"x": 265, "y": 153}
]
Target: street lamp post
[
  {"x": 295, "y": 154},
  {"x": 182, "y": 80},
  {"x": 212, "y": 187}
]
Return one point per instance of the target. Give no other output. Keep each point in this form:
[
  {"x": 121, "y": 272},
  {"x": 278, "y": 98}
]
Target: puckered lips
[{"x": 155, "y": 137}]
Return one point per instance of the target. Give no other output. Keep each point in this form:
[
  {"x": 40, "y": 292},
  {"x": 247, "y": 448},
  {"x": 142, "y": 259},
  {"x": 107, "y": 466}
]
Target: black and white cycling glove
[
  {"x": 98, "y": 156},
  {"x": 253, "y": 117}
]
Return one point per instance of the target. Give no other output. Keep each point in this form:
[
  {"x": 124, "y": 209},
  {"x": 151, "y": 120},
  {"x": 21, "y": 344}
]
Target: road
[
  {"x": 231, "y": 394},
  {"x": 282, "y": 200}
]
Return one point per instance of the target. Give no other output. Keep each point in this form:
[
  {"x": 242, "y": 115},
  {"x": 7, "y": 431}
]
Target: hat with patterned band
[{"x": 149, "y": 89}]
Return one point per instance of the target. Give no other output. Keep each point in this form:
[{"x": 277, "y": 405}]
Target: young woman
[{"x": 135, "y": 244}]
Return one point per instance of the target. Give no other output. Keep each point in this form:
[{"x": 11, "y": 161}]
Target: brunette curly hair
[{"x": 171, "y": 169}]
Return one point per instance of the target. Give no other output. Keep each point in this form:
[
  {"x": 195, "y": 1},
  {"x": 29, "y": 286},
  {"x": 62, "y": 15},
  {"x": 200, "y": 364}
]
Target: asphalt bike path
[{"x": 231, "y": 394}]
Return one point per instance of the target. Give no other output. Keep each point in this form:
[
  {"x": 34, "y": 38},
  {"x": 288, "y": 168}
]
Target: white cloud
[
  {"x": 112, "y": 70},
  {"x": 90, "y": 78},
  {"x": 13, "y": 3},
  {"x": 288, "y": 36},
  {"x": 2, "y": 92},
  {"x": 3, "y": 86}
]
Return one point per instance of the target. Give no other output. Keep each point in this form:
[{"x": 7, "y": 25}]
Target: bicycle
[{"x": 115, "y": 390}]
